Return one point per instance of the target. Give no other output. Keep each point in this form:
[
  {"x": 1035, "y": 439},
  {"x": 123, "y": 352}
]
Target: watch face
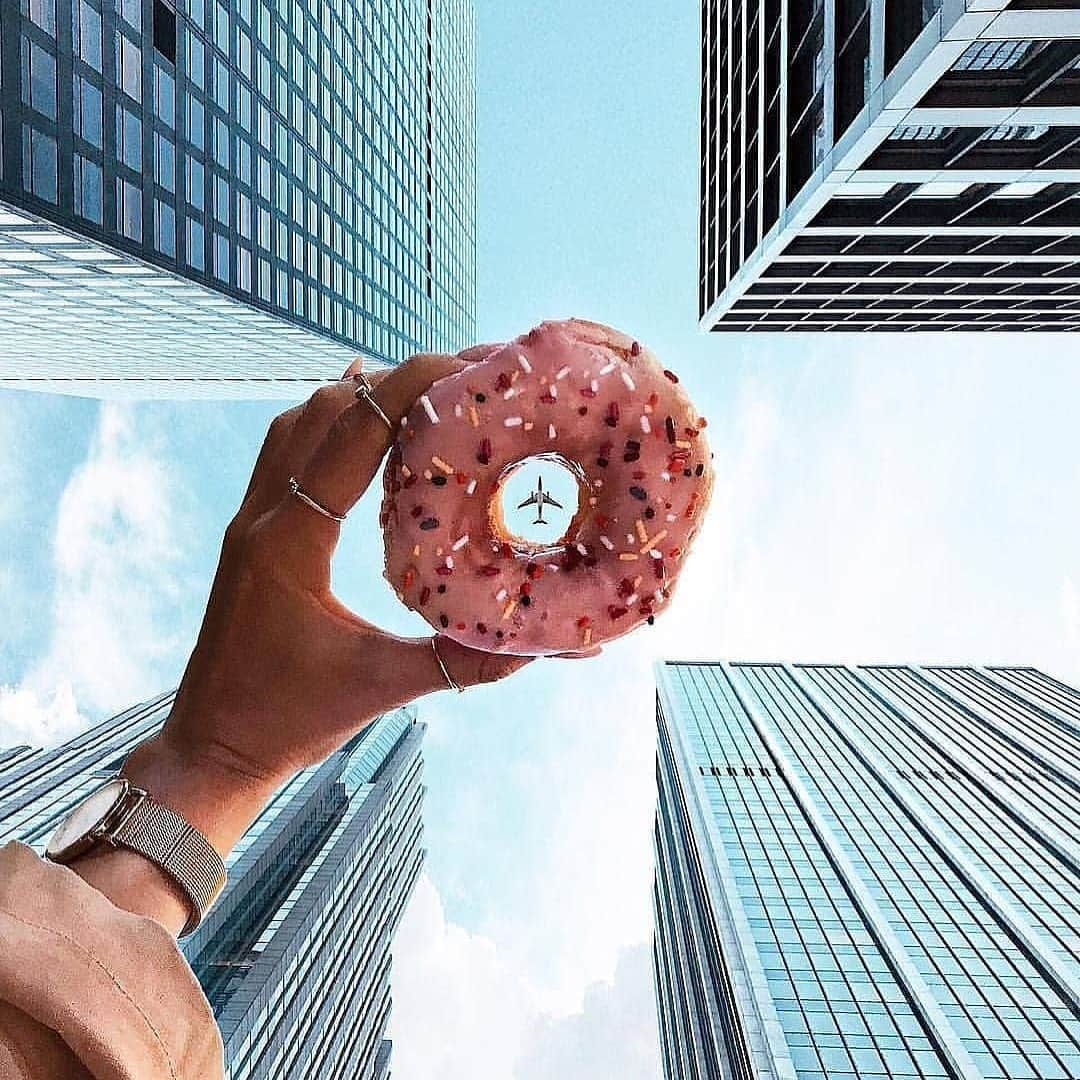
[{"x": 75, "y": 829}]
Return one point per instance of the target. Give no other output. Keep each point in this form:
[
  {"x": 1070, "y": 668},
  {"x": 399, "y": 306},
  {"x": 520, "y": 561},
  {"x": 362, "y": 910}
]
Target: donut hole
[{"x": 536, "y": 502}]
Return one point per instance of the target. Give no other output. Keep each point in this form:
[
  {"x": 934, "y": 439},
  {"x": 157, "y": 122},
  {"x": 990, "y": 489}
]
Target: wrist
[{"x": 216, "y": 794}]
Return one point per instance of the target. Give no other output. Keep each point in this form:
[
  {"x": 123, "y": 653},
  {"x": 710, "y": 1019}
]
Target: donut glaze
[{"x": 625, "y": 427}]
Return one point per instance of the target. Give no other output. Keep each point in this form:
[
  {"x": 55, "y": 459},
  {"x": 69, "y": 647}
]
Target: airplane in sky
[{"x": 540, "y": 498}]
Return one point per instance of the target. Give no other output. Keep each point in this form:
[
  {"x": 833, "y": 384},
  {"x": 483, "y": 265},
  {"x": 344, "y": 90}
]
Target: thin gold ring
[
  {"x": 307, "y": 500},
  {"x": 442, "y": 667},
  {"x": 363, "y": 393}
]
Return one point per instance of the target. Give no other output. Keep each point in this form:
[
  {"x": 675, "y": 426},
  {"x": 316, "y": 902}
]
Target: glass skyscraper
[
  {"x": 890, "y": 165},
  {"x": 295, "y": 956},
  {"x": 867, "y": 872},
  {"x": 232, "y": 197}
]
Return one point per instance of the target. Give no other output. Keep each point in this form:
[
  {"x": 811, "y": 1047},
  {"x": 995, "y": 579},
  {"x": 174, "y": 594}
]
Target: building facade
[
  {"x": 232, "y": 197},
  {"x": 295, "y": 956},
  {"x": 867, "y": 872},
  {"x": 890, "y": 165}
]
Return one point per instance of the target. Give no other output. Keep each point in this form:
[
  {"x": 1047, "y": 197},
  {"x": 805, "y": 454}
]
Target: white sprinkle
[
  {"x": 582, "y": 549},
  {"x": 553, "y": 567},
  {"x": 670, "y": 518},
  {"x": 608, "y": 368},
  {"x": 459, "y": 543},
  {"x": 645, "y": 425},
  {"x": 523, "y": 360},
  {"x": 551, "y": 431},
  {"x": 655, "y": 554},
  {"x": 630, "y": 538},
  {"x": 509, "y": 394},
  {"x": 607, "y": 543},
  {"x": 626, "y": 379},
  {"x": 632, "y": 599},
  {"x": 500, "y": 595},
  {"x": 457, "y": 411},
  {"x": 658, "y": 595},
  {"x": 433, "y": 416},
  {"x": 449, "y": 562},
  {"x": 665, "y": 475},
  {"x": 594, "y": 386},
  {"x": 562, "y": 372},
  {"x": 471, "y": 487},
  {"x": 553, "y": 390},
  {"x": 512, "y": 421},
  {"x": 598, "y": 483},
  {"x": 404, "y": 421}
]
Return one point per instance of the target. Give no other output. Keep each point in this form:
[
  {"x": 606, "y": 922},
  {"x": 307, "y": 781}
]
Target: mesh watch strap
[{"x": 167, "y": 840}]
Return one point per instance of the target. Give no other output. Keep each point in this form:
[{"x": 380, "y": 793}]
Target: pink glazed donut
[{"x": 603, "y": 406}]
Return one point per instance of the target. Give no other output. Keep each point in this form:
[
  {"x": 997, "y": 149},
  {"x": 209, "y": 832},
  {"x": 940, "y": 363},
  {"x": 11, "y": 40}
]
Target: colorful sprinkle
[
  {"x": 474, "y": 416},
  {"x": 432, "y": 415},
  {"x": 628, "y": 556},
  {"x": 509, "y": 609},
  {"x": 654, "y": 541},
  {"x": 440, "y": 464}
]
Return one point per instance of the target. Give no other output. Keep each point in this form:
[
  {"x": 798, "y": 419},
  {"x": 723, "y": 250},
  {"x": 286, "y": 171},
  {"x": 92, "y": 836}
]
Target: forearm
[{"x": 218, "y": 800}]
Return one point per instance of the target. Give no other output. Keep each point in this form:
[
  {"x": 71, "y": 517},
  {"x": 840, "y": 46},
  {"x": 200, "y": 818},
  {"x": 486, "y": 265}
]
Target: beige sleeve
[{"x": 89, "y": 990}]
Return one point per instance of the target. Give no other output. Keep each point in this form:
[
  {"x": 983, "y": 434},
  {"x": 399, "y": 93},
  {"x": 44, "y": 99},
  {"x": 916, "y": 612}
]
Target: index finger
[{"x": 344, "y": 463}]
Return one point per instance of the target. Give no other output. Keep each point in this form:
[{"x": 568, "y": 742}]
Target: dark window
[{"x": 165, "y": 31}]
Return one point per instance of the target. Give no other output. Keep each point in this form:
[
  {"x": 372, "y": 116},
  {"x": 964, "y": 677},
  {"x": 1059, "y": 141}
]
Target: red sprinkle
[
  {"x": 588, "y": 391},
  {"x": 525, "y": 589},
  {"x": 534, "y": 570},
  {"x": 583, "y": 622},
  {"x": 409, "y": 481},
  {"x": 417, "y": 511},
  {"x": 635, "y": 349},
  {"x": 547, "y": 398},
  {"x": 669, "y": 427},
  {"x": 461, "y": 626},
  {"x": 582, "y": 410},
  {"x": 425, "y": 594},
  {"x": 489, "y": 571},
  {"x": 443, "y": 571},
  {"x": 626, "y": 587},
  {"x": 481, "y": 628},
  {"x": 483, "y": 455},
  {"x": 616, "y": 612},
  {"x": 671, "y": 375},
  {"x": 654, "y": 399},
  {"x": 506, "y": 551},
  {"x": 462, "y": 478},
  {"x": 503, "y": 381},
  {"x": 612, "y": 418}
]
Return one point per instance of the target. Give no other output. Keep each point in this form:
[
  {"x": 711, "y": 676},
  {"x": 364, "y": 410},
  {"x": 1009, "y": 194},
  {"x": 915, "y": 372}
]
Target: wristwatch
[{"x": 120, "y": 814}]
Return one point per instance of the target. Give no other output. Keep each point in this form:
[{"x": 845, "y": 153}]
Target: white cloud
[
  {"x": 464, "y": 1010},
  {"x": 114, "y": 555},
  {"x": 614, "y": 1035},
  {"x": 460, "y": 1012}
]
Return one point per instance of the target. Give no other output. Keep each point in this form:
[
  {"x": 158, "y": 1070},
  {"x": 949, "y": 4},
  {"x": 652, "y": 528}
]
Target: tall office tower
[
  {"x": 232, "y": 197},
  {"x": 890, "y": 165},
  {"x": 295, "y": 955},
  {"x": 867, "y": 872}
]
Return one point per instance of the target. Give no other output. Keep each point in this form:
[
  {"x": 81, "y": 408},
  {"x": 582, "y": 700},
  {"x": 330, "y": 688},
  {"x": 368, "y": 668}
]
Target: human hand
[{"x": 283, "y": 673}]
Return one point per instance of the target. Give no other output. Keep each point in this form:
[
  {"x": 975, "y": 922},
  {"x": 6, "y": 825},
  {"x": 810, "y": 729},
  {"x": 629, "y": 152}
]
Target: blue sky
[{"x": 878, "y": 498}]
